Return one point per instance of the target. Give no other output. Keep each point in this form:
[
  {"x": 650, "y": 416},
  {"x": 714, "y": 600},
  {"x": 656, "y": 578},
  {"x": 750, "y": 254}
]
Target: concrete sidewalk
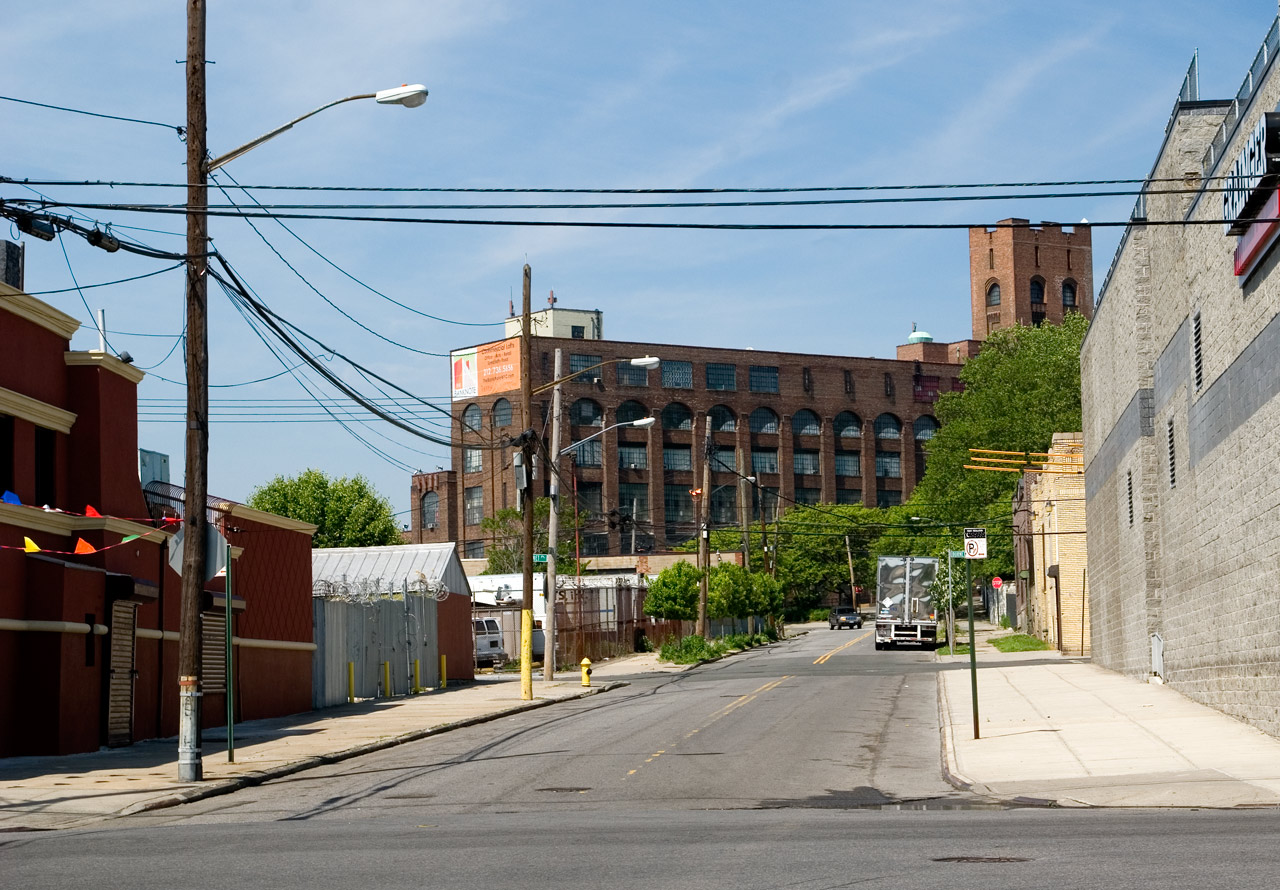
[
  {"x": 1065, "y": 732},
  {"x": 65, "y": 792}
]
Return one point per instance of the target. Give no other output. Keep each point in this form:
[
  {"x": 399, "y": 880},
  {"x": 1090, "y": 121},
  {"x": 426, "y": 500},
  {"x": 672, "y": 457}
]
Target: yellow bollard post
[
  {"x": 417, "y": 677},
  {"x": 586, "y": 671},
  {"x": 351, "y": 682},
  {"x": 386, "y": 679},
  {"x": 444, "y": 676}
]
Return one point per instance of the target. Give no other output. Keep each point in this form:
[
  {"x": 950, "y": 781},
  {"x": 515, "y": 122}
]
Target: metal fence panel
[{"x": 391, "y": 631}]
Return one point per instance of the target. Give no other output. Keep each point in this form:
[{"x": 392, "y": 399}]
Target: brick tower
[{"x": 1028, "y": 274}]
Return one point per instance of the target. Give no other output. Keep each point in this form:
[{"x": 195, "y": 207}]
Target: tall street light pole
[
  {"x": 553, "y": 520},
  {"x": 196, "y": 479}
]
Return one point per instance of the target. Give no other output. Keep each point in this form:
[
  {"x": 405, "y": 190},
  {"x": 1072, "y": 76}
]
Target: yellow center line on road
[
  {"x": 716, "y": 715},
  {"x": 822, "y": 659}
]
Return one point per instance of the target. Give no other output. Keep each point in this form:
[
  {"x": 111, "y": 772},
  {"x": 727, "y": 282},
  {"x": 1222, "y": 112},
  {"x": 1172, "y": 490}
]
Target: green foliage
[
  {"x": 694, "y": 648},
  {"x": 690, "y": 650},
  {"x": 730, "y": 592},
  {"x": 347, "y": 511},
  {"x": 1019, "y": 643},
  {"x": 819, "y": 614},
  {"x": 673, "y": 595},
  {"x": 958, "y": 649},
  {"x": 813, "y": 556},
  {"x": 505, "y": 532},
  {"x": 1019, "y": 390}
]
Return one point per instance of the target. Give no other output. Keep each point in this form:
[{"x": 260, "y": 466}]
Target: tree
[
  {"x": 813, "y": 556},
  {"x": 505, "y": 532},
  {"x": 730, "y": 592},
  {"x": 673, "y": 595},
  {"x": 347, "y": 512},
  {"x": 1019, "y": 390}
]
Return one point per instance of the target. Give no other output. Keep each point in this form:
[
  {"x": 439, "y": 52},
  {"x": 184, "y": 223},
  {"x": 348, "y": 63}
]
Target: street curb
[{"x": 258, "y": 777}]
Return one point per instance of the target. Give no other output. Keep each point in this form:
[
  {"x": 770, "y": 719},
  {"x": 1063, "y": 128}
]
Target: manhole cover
[{"x": 981, "y": 859}]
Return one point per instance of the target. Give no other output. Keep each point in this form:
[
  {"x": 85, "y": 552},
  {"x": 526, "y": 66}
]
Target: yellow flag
[{"x": 30, "y": 546}]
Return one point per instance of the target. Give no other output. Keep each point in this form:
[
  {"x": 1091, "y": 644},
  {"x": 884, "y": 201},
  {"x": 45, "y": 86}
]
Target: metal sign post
[{"x": 975, "y": 547}]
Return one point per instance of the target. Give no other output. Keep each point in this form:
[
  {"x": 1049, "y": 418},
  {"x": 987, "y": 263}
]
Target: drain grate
[{"x": 981, "y": 859}]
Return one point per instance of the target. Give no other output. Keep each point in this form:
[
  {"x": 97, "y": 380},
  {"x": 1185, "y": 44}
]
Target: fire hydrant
[{"x": 586, "y": 671}]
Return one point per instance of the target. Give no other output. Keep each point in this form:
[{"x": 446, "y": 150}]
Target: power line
[
  {"x": 181, "y": 131},
  {"x": 366, "y": 286},
  {"x": 1062, "y": 183},
  {"x": 614, "y": 224}
]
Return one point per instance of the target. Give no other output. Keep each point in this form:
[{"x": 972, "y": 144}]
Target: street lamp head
[
  {"x": 410, "y": 95},
  {"x": 751, "y": 479},
  {"x": 644, "y": 422},
  {"x": 648, "y": 362}
]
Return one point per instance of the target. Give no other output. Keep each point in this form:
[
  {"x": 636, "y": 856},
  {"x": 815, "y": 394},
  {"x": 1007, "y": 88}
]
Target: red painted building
[{"x": 88, "y": 603}]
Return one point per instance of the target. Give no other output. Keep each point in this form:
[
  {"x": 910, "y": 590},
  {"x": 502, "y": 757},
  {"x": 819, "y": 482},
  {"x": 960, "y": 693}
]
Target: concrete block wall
[{"x": 1197, "y": 564}]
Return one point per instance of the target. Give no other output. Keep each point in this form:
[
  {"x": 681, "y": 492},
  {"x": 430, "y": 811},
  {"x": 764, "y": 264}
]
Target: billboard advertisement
[{"x": 485, "y": 370}]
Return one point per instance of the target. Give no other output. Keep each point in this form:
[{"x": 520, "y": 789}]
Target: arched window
[
  {"x": 430, "y": 507},
  {"x": 925, "y": 427},
  {"x": 888, "y": 427},
  {"x": 1068, "y": 294},
  {"x": 471, "y": 418},
  {"x": 847, "y": 425},
  {"x": 805, "y": 423},
  {"x": 1037, "y": 290},
  {"x": 631, "y": 410},
  {"x": 763, "y": 420},
  {"x": 501, "y": 413},
  {"x": 586, "y": 412},
  {"x": 677, "y": 417},
  {"x": 722, "y": 419},
  {"x": 993, "y": 295}
]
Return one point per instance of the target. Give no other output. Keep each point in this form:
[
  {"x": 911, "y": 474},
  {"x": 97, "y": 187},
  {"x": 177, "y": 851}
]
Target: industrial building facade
[
  {"x": 807, "y": 429},
  {"x": 1180, "y": 374}
]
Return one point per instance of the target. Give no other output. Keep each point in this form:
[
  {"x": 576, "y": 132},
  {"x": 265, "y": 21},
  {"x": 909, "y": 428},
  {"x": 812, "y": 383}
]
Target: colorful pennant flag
[
  {"x": 89, "y": 511},
  {"x": 130, "y": 538},
  {"x": 30, "y": 546},
  {"x": 10, "y": 498},
  {"x": 83, "y": 546}
]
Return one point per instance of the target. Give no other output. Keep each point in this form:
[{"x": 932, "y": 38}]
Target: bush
[
  {"x": 1019, "y": 643},
  {"x": 819, "y": 614},
  {"x": 691, "y": 650}
]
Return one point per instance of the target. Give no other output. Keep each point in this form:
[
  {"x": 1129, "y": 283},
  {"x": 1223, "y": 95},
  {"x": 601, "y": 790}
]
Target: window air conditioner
[{"x": 430, "y": 526}]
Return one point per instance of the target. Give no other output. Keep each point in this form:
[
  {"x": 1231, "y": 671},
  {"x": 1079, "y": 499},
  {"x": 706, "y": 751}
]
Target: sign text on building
[
  {"x": 1252, "y": 175},
  {"x": 486, "y": 370}
]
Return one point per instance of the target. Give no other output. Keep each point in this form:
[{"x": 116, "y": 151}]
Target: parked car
[
  {"x": 844, "y": 616},
  {"x": 489, "y": 649}
]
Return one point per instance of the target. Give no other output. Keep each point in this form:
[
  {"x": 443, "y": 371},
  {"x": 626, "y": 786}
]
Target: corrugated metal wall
[{"x": 366, "y": 634}]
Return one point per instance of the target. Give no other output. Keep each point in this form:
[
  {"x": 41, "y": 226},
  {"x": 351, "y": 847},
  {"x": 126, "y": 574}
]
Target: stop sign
[{"x": 996, "y": 582}]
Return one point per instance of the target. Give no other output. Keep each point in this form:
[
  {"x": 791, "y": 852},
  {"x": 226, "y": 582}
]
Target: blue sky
[{"x": 576, "y": 94}]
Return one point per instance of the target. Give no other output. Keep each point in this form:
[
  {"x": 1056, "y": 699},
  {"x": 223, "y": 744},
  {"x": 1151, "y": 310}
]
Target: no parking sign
[{"x": 975, "y": 543}]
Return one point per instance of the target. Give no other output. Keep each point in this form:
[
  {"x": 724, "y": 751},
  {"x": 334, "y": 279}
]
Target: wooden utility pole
[
  {"x": 196, "y": 482},
  {"x": 704, "y": 530},
  {"x": 526, "y": 504}
]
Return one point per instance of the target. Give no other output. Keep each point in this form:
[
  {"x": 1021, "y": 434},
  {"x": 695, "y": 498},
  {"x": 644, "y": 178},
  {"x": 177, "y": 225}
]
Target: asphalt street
[{"x": 810, "y": 764}]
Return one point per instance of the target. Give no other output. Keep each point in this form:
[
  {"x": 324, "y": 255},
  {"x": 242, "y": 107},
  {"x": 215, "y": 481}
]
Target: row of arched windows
[
  {"x": 1037, "y": 293},
  {"x": 677, "y": 416},
  {"x": 500, "y": 413}
]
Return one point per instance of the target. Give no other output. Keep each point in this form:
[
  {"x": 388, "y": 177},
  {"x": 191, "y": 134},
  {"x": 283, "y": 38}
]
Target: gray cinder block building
[{"x": 1180, "y": 376}]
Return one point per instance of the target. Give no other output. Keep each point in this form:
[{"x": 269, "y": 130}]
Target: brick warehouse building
[
  {"x": 89, "y": 620},
  {"x": 809, "y": 428},
  {"x": 1181, "y": 377}
]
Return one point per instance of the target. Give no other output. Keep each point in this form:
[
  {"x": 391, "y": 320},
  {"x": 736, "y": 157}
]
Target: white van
[{"x": 489, "y": 651}]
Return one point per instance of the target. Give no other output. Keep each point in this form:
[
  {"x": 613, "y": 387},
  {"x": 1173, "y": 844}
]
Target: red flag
[
  {"x": 83, "y": 546},
  {"x": 89, "y": 511}
]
